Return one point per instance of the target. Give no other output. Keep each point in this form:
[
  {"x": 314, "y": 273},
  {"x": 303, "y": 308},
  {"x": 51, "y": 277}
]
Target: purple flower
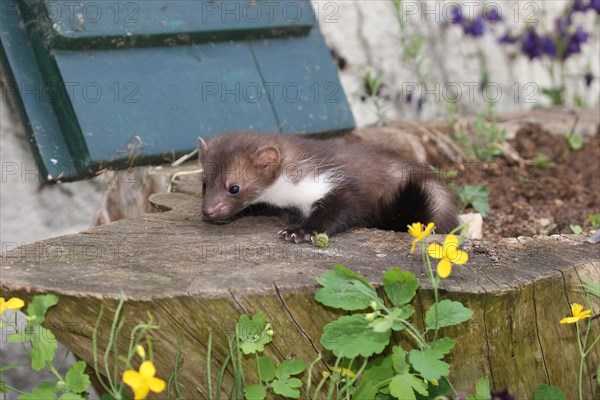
[
  {"x": 579, "y": 6},
  {"x": 580, "y": 35},
  {"x": 574, "y": 42},
  {"x": 588, "y": 78},
  {"x": 493, "y": 15},
  {"x": 531, "y": 44},
  {"x": 548, "y": 46},
  {"x": 594, "y": 5},
  {"x": 475, "y": 27},
  {"x": 456, "y": 15},
  {"x": 507, "y": 38}
]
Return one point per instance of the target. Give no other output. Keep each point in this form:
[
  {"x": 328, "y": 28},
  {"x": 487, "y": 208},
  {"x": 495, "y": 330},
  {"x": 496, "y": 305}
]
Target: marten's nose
[{"x": 209, "y": 211}]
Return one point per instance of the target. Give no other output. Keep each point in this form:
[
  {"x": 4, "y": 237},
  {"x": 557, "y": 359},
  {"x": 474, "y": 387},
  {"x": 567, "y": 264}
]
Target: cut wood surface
[{"x": 197, "y": 278}]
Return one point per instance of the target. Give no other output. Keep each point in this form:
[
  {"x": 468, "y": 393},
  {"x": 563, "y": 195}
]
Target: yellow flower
[
  {"x": 13, "y": 304},
  {"x": 419, "y": 232},
  {"x": 143, "y": 382},
  {"x": 449, "y": 254},
  {"x": 344, "y": 371},
  {"x": 578, "y": 313}
]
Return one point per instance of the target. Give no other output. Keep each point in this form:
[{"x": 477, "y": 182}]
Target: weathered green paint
[{"x": 110, "y": 84}]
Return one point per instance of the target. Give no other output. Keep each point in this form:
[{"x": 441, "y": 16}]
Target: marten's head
[{"x": 237, "y": 167}]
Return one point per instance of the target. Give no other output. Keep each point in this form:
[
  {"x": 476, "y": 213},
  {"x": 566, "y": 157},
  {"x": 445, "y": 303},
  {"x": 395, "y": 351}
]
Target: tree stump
[{"x": 197, "y": 278}]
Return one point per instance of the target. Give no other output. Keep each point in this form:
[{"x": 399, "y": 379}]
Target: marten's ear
[
  {"x": 202, "y": 144},
  {"x": 267, "y": 156}
]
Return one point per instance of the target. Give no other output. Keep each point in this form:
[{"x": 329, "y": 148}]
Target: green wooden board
[{"x": 111, "y": 84}]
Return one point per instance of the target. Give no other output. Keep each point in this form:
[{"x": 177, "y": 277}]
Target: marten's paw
[{"x": 296, "y": 235}]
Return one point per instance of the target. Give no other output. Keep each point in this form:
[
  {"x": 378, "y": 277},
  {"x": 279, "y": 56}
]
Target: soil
[{"x": 526, "y": 201}]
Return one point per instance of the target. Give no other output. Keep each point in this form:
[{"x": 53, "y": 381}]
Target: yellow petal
[
  {"x": 415, "y": 229},
  {"x": 132, "y": 378},
  {"x": 414, "y": 243},
  {"x": 147, "y": 369},
  {"x": 157, "y": 385},
  {"x": 451, "y": 241},
  {"x": 444, "y": 268},
  {"x": 14, "y": 303},
  {"x": 429, "y": 228},
  {"x": 141, "y": 392},
  {"x": 576, "y": 309},
  {"x": 569, "y": 320},
  {"x": 435, "y": 250},
  {"x": 584, "y": 314},
  {"x": 460, "y": 257}
]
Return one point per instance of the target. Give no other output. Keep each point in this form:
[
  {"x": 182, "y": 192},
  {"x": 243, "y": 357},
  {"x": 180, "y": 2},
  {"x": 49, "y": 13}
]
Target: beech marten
[{"x": 319, "y": 185}]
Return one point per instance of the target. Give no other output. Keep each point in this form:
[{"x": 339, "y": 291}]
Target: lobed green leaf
[
  {"x": 403, "y": 387},
  {"x": 351, "y": 336},
  {"x": 39, "y": 305},
  {"x": 267, "y": 368},
  {"x": 255, "y": 392},
  {"x": 400, "y": 286},
  {"x": 449, "y": 312},
  {"x": 290, "y": 367},
  {"x": 344, "y": 289},
  {"x": 76, "y": 378},
  {"x": 547, "y": 392},
  {"x": 46, "y": 391},
  {"x": 42, "y": 349},
  {"x": 429, "y": 364}
]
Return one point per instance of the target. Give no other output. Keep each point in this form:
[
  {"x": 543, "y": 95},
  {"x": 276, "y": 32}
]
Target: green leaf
[
  {"x": 351, "y": 336},
  {"x": 575, "y": 141},
  {"x": 428, "y": 363},
  {"x": 77, "y": 380},
  {"x": 546, "y": 392},
  {"x": 71, "y": 396},
  {"x": 253, "y": 333},
  {"x": 39, "y": 305},
  {"x": 294, "y": 383},
  {"x": 344, "y": 289},
  {"x": 378, "y": 370},
  {"x": 255, "y": 392},
  {"x": 283, "y": 388},
  {"x": 392, "y": 320},
  {"x": 482, "y": 389},
  {"x": 46, "y": 391},
  {"x": 576, "y": 229},
  {"x": 449, "y": 312},
  {"x": 399, "y": 360},
  {"x": 403, "y": 387},
  {"x": 443, "y": 346},
  {"x": 400, "y": 286},
  {"x": 290, "y": 367},
  {"x": 42, "y": 349},
  {"x": 366, "y": 390},
  {"x": 267, "y": 368},
  {"x": 3, "y": 388},
  {"x": 20, "y": 337}
]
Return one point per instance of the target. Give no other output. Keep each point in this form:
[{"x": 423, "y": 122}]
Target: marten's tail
[{"x": 422, "y": 201}]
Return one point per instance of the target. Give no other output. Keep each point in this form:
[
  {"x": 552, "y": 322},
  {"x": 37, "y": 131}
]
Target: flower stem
[
  {"x": 434, "y": 283},
  {"x": 581, "y": 360}
]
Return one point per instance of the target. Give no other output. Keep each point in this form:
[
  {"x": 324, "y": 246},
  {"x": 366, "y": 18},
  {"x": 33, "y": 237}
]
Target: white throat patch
[{"x": 303, "y": 194}]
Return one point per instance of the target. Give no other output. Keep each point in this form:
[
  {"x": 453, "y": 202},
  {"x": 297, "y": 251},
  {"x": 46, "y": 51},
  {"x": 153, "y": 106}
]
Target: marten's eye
[
  {"x": 203, "y": 187},
  {"x": 234, "y": 189}
]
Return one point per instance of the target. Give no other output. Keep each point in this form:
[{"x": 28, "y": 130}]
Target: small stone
[
  {"x": 475, "y": 225},
  {"x": 544, "y": 222}
]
